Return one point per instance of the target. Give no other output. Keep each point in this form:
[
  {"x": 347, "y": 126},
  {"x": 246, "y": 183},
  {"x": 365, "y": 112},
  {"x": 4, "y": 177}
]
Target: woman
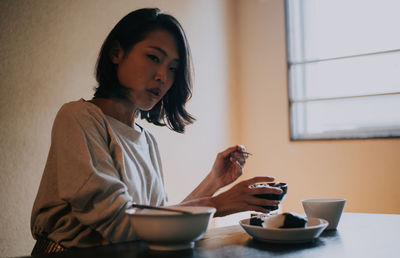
[{"x": 100, "y": 161}]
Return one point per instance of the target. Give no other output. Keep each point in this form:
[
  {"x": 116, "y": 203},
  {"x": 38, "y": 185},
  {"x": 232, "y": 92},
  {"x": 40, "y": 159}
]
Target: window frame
[{"x": 332, "y": 135}]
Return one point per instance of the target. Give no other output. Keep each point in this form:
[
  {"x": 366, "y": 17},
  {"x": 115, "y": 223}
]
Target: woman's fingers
[
  {"x": 259, "y": 209},
  {"x": 265, "y": 190},
  {"x": 247, "y": 197},
  {"x": 239, "y": 165},
  {"x": 239, "y": 154},
  {"x": 238, "y": 157},
  {"x": 226, "y": 153},
  {"x": 235, "y": 152},
  {"x": 256, "y": 201},
  {"x": 258, "y": 179},
  {"x": 239, "y": 168}
]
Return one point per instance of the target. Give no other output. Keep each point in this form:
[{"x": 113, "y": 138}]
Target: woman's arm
[{"x": 227, "y": 167}]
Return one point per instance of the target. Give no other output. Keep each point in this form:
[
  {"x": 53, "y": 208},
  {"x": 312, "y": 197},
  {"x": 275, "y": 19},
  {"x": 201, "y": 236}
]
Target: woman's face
[{"x": 148, "y": 69}]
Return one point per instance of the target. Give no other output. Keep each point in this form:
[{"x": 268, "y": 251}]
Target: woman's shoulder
[
  {"x": 80, "y": 107},
  {"x": 81, "y": 112}
]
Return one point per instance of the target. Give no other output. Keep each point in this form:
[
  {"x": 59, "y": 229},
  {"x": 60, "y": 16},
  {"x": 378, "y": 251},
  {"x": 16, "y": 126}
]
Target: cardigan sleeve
[{"x": 87, "y": 178}]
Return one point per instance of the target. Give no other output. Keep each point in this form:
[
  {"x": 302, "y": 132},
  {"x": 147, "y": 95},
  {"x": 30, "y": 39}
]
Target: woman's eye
[
  {"x": 173, "y": 69},
  {"x": 154, "y": 58}
]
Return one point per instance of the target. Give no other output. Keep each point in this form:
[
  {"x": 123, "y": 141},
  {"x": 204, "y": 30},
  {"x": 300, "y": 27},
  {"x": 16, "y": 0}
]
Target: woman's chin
[
  {"x": 146, "y": 107},
  {"x": 149, "y": 105}
]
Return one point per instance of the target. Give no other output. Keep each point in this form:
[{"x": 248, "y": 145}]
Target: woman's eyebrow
[{"x": 163, "y": 52}]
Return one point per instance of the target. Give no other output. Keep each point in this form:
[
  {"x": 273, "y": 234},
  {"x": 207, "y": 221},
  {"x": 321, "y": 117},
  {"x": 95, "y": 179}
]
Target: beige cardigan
[{"x": 96, "y": 167}]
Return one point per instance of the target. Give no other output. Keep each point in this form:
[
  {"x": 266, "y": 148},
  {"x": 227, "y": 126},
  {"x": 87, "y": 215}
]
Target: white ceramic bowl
[
  {"x": 164, "y": 230},
  {"x": 329, "y": 209}
]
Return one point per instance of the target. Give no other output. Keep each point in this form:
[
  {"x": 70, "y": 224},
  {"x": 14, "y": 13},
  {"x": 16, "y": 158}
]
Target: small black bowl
[{"x": 277, "y": 197}]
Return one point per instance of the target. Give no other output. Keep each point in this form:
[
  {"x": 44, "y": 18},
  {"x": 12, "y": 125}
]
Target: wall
[
  {"x": 365, "y": 172},
  {"x": 48, "y": 50}
]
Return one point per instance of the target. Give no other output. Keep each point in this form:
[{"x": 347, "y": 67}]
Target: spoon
[{"x": 141, "y": 206}]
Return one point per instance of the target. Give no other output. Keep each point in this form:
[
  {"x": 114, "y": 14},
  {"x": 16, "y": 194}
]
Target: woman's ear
[{"x": 116, "y": 53}]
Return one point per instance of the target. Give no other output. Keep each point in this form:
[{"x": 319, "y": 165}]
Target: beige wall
[{"x": 48, "y": 50}]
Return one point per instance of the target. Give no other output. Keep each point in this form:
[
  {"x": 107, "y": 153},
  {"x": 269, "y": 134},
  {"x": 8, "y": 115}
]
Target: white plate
[{"x": 311, "y": 231}]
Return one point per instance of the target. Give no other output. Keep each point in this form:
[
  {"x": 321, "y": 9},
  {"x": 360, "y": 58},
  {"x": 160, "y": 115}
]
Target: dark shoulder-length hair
[{"x": 134, "y": 27}]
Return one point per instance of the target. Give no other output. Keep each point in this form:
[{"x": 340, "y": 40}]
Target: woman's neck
[{"x": 121, "y": 110}]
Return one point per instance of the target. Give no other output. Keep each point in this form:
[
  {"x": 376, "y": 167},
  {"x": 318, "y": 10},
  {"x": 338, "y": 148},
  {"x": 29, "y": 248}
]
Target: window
[{"x": 343, "y": 68}]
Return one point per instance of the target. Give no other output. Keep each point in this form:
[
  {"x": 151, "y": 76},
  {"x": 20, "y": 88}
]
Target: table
[{"x": 358, "y": 235}]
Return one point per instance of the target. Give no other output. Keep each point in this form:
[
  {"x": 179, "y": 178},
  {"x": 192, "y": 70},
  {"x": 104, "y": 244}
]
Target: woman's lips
[{"x": 154, "y": 92}]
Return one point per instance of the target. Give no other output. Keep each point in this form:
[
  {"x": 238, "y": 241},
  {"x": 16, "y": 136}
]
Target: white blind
[{"x": 344, "y": 68}]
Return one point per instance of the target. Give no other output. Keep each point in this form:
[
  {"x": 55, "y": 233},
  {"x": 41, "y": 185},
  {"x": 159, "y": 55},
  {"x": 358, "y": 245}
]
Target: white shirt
[{"x": 96, "y": 167}]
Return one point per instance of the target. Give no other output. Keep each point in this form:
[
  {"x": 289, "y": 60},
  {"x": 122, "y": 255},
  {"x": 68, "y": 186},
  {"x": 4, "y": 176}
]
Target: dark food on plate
[
  {"x": 283, "y": 220},
  {"x": 293, "y": 221},
  {"x": 255, "y": 220},
  {"x": 279, "y": 197}
]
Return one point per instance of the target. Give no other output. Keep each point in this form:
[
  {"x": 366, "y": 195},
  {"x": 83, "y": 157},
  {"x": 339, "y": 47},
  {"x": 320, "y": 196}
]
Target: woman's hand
[
  {"x": 241, "y": 197},
  {"x": 228, "y": 165}
]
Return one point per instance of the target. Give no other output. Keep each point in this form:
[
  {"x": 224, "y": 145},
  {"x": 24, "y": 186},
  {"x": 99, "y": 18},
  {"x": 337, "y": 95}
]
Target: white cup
[{"x": 327, "y": 208}]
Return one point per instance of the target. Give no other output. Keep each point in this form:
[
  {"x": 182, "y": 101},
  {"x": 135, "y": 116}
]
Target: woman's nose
[{"x": 161, "y": 75}]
